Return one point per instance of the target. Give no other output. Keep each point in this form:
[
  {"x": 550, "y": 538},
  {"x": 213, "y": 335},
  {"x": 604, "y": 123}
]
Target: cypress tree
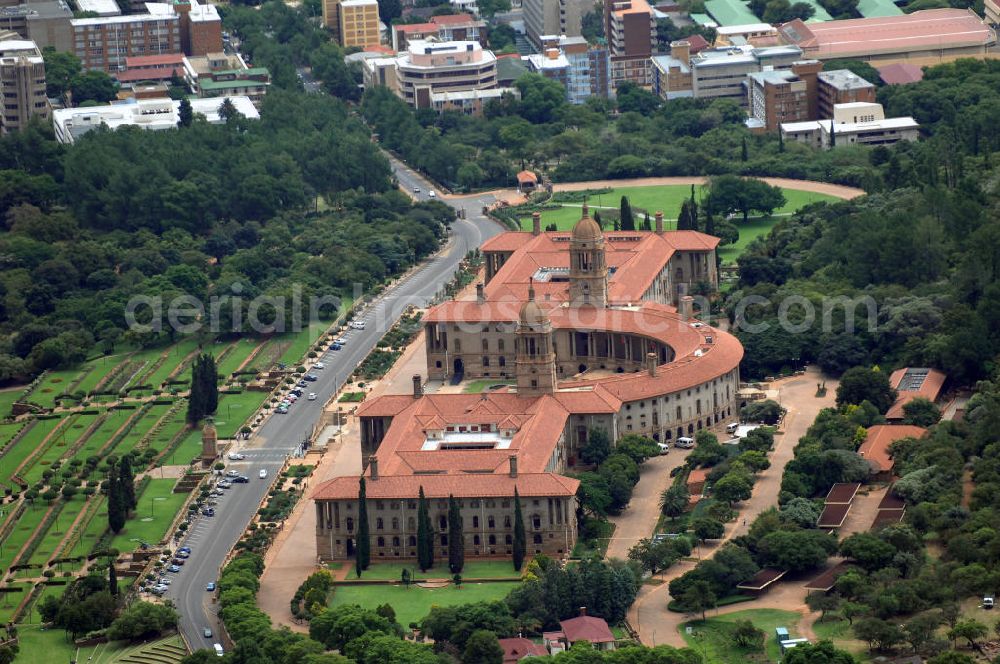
[
  {"x": 520, "y": 543},
  {"x": 781, "y": 141},
  {"x": 709, "y": 222},
  {"x": 185, "y": 115},
  {"x": 112, "y": 578},
  {"x": 204, "y": 397},
  {"x": 126, "y": 478},
  {"x": 425, "y": 535},
  {"x": 116, "y": 502},
  {"x": 744, "y": 151},
  {"x": 363, "y": 552},
  {"x": 456, "y": 540},
  {"x": 833, "y": 134},
  {"x": 597, "y": 218},
  {"x": 627, "y": 220},
  {"x": 647, "y": 225},
  {"x": 211, "y": 377}
]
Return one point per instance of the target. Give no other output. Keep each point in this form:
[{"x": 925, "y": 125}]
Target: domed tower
[
  {"x": 536, "y": 362},
  {"x": 588, "y": 270}
]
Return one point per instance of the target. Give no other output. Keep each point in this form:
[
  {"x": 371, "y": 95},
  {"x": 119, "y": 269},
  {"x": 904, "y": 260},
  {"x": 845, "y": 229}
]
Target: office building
[
  {"x": 926, "y": 36},
  {"x": 459, "y": 75},
  {"x": 594, "y": 330},
  {"x": 671, "y": 74},
  {"x": 223, "y": 75},
  {"x": 777, "y": 96},
  {"x": 581, "y": 69},
  {"x": 630, "y": 27},
  {"x": 99, "y": 7},
  {"x": 151, "y": 68},
  {"x": 22, "y": 83},
  {"x": 721, "y": 73},
  {"x": 841, "y": 86},
  {"x": 152, "y": 114},
  {"x": 858, "y": 123},
  {"x": 554, "y": 17},
  {"x": 47, "y": 23}
]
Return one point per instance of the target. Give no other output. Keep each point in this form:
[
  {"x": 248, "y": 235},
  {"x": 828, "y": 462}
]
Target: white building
[
  {"x": 99, "y": 7},
  {"x": 154, "y": 114},
  {"x": 856, "y": 123}
]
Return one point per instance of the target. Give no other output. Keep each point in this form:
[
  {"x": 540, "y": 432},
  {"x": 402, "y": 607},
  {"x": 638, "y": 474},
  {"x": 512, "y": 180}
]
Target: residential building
[
  {"x": 224, "y": 75},
  {"x": 992, "y": 10},
  {"x": 185, "y": 26},
  {"x": 359, "y": 23},
  {"x": 671, "y": 74},
  {"x": 856, "y": 123},
  {"x": 926, "y": 36},
  {"x": 151, "y": 68},
  {"x": 22, "y": 84},
  {"x": 446, "y": 75},
  {"x": 553, "y": 17},
  {"x": 451, "y": 27},
  {"x": 153, "y": 114},
  {"x": 581, "y": 69},
  {"x": 585, "y": 325},
  {"x": 912, "y": 383},
  {"x": 630, "y": 27},
  {"x": 99, "y": 7},
  {"x": 331, "y": 18},
  {"x": 46, "y": 22},
  {"x": 777, "y": 96},
  {"x": 594, "y": 631},
  {"x": 466, "y": 6},
  {"x": 380, "y": 70},
  {"x": 517, "y": 648},
  {"x": 841, "y": 86}
]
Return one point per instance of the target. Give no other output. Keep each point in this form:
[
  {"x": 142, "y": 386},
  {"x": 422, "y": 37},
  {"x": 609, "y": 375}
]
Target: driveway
[
  {"x": 640, "y": 517},
  {"x": 649, "y": 615}
]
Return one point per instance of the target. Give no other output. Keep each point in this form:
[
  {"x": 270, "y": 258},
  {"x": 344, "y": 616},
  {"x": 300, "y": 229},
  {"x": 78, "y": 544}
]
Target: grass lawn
[
  {"x": 351, "y": 397},
  {"x": 54, "y": 534},
  {"x": 712, "y": 637},
  {"x": 482, "y": 385},
  {"x": 178, "y": 352},
  {"x": 412, "y": 604},
  {"x": 43, "y": 645},
  {"x": 94, "y": 528},
  {"x": 24, "y": 447},
  {"x": 478, "y": 569},
  {"x": 30, "y": 521},
  {"x": 187, "y": 449},
  {"x": 157, "y": 499},
  {"x": 70, "y": 433},
  {"x": 141, "y": 427},
  {"x": 7, "y": 399},
  {"x": 750, "y": 231},
  {"x": 839, "y": 631},
  {"x": 9, "y": 601},
  {"x": 234, "y": 358},
  {"x": 55, "y": 382},
  {"x": 234, "y": 409},
  {"x": 295, "y": 346}
]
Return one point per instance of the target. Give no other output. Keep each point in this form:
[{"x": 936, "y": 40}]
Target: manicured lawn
[
  {"x": 482, "y": 385},
  {"x": 188, "y": 449},
  {"x": 235, "y": 357},
  {"x": 412, "y": 604},
  {"x": 94, "y": 528},
  {"x": 9, "y": 601},
  {"x": 158, "y": 500},
  {"x": 178, "y": 352},
  {"x": 351, "y": 397},
  {"x": 141, "y": 428},
  {"x": 478, "y": 569},
  {"x": 295, "y": 346},
  {"x": 7, "y": 399},
  {"x": 46, "y": 645},
  {"x": 30, "y": 521},
  {"x": 713, "y": 639},
  {"x": 750, "y": 231},
  {"x": 56, "y": 382},
  {"x": 68, "y": 435},
  {"x": 57, "y": 529},
  {"x": 667, "y": 198},
  {"x": 839, "y": 631},
  {"x": 234, "y": 409},
  {"x": 28, "y": 444}
]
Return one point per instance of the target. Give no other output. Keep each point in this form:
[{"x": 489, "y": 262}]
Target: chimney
[
  {"x": 651, "y": 364},
  {"x": 583, "y": 611},
  {"x": 513, "y": 465},
  {"x": 536, "y": 223},
  {"x": 659, "y": 222},
  {"x": 686, "y": 308},
  {"x": 480, "y": 295},
  {"x": 418, "y": 388},
  {"x": 373, "y": 467}
]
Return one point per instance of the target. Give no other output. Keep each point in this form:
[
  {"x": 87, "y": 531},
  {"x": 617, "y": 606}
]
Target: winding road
[{"x": 211, "y": 538}]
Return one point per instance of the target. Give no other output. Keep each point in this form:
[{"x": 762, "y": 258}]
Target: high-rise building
[
  {"x": 22, "y": 84},
  {"x": 554, "y": 17},
  {"x": 841, "y": 86},
  {"x": 630, "y": 27},
  {"x": 331, "y": 18},
  {"x": 359, "y": 25},
  {"x": 458, "y": 75},
  {"x": 777, "y": 96},
  {"x": 45, "y": 22},
  {"x": 581, "y": 68}
]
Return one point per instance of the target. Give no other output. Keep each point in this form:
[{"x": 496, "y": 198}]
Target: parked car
[
  {"x": 312, "y": 396},
  {"x": 207, "y": 632},
  {"x": 178, "y": 561},
  {"x": 235, "y": 456},
  {"x": 337, "y": 346},
  {"x": 319, "y": 365},
  {"x": 282, "y": 411},
  {"x": 416, "y": 190},
  {"x": 242, "y": 479},
  {"x": 312, "y": 378},
  {"x": 303, "y": 383},
  {"x": 357, "y": 325},
  {"x": 208, "y": 511},
  {"x": 431, "y": 194},
  {"x": 185, "y": 549},
  {"x": 664, "y": 447},
  {"x": 174, "y": 568},
  {"x": 232, "y": 473},
  {"x": 685, "y": 443},
  {"x": 263, "y": 473},
  {"x": 297, "y": 392},
  {"x": 211, "y": 586},
  {"x": 183, "y": 554}
]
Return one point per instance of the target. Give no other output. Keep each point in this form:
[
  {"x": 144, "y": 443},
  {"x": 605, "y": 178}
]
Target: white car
[
  {"x": 312, "y": 396},
  {"x": 319, "y": 365},
  {"x": 432, "y": 194},
  {"x": 235, "y": 456},
  {"x": 263, "y": 473},
  {"x": 664, "y": 447},
  {"x": 358, "y": 324}
]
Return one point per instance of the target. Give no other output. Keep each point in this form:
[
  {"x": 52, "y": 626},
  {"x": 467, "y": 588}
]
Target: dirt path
[
  {"x": 649, "y": 614},
  {"x": 836, "y": 190}
]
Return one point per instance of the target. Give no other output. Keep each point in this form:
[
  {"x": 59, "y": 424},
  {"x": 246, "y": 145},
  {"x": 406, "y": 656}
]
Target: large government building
[{"x": 581, "y": 330}]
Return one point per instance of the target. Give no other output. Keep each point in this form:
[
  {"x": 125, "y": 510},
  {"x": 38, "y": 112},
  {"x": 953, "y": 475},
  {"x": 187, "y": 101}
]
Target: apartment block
[
  {"x": 359, "y": 24},
  {"x": 450, "y": 27},
  {"x": 554, "y": 17},
  {"x": 151, "y": 68},
  {"x": 22, "y": 84},
  {"x": 856, "y": 123},
  {"x": 47, "y": 23},
  {"x": 223, "y": 75},
  {"x": 201, "y": 27},
  {"x": 331, "y": 18},
  {"x": 630, "y": 27},
  {"x": 581, "y": 69},
  {"x": 721, "y": 73},
  {"x": 671, "y": 74},
  {"x": 841, "y": 86},
  {"x": 774, "y": 97}
]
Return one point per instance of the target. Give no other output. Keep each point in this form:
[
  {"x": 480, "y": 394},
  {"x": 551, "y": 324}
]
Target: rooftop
[
  {"x": 587, "y": 628},
  {"x": 515, "y": 649},
  {"x": 911, "y": 383},
  {"x": 875, "y": 447},
  {"x": 102, "y": 7},
  {"x": 833, "y": 515},
  {"x": 842, "y": 493},
  {"x": 844, "y": 79},
  {"x": 730, "y": 12},
  {"x": 900, "y": 73},
  {"x": 878, "y": 8}
]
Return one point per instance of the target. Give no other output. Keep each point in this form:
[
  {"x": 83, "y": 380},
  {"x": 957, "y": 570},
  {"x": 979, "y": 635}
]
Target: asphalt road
[{"x": 211, "y": 538}]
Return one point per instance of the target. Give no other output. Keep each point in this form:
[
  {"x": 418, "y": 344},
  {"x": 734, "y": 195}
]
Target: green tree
[
  {"x": 675, "y": 499},
  {"x": 823, "y": 652},
  {"x": 185, "y": 114},
  {"x": 362, "y": 553},
  {"x": 126, "y": 478},
  {"x": 859, "y": 384},
  {"x": 879, "y": 634},
  {"x": 746, "y": 635},
  {"x": 627, "y": 220},
  {"x": 733, "y": 488},
  {"x": 456, "y": 537},
  {"x": 203, "y": 399},
  {"x": 796, "y": 551},
  {"x": 823, "y": 603},
  {"x": 706, "y": 529},
  {"x": 425, "y": 534},
  {"x": 61, "y": 67},
  {"x": 339, "y": 625},
  {"x": 112, "y": 578},
  {"x": 117, "y": 505},
  {"x": 482, "y": 648},
  {"x": 143, "y": 620},
  {"x": 597, "y": 447},
  {"x": 698, "y": 598},
  {"x": 541, "y": 98},
  {"x": 970, "y": 629},
  {"x": 520, "y": 541},
  {"x": 921, "y": 412},
  {"x": 94, "y": 86}
]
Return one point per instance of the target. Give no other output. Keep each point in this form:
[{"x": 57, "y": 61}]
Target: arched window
[
  {"x": 443, "y": 522},
  {"x": 506, "y": 522},
  {"x": 502, "y": 361},
  {"x": 381, "y": 541},
  {"x": 508, "y": 539},
  {"x": 378, "y": 524},
  {"x": 395, "y": 541},
  {"x": 350, "y": 524},
  {"x": 486, "y": 361},
  {"x": 411, "y": 524},
  {"x": 475, "y": 522},
  {"x": 444, "y": 540},
  {"x": 395, "y": 523},
  {"x": 411, "y": 541},
  {"x": 500, "y": 345},
  {"x": 486, "y": 345},
  {"x": 536, "y": 521},
  {"x": 493, "y": 540},
  {"x": 475, "y": 540},
  {"x": 491, "y": 522}
]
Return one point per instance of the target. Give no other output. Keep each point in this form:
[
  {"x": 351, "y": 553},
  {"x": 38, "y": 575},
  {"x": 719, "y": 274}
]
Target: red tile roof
[
  {"x": 453, "y": 19},
  {"x": 697, "y": 43},
  {"x": 442, "y": 486},
  {"x": 880, "y": 437},
  {"x": 900, "y": 73},
  {"x": 516, "y": 649},
  {"x": 930, "y": 29},
  {"x": 887, "y": 517},
  {"x": 139, "y": 61},
  {"x": 527, "y": 176},
  {"x": 587, "y": 628},
  {"x": 416, "y": 28},
  {"x": 147, "y": 74},
  {"x": 929, "y": 388}
]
